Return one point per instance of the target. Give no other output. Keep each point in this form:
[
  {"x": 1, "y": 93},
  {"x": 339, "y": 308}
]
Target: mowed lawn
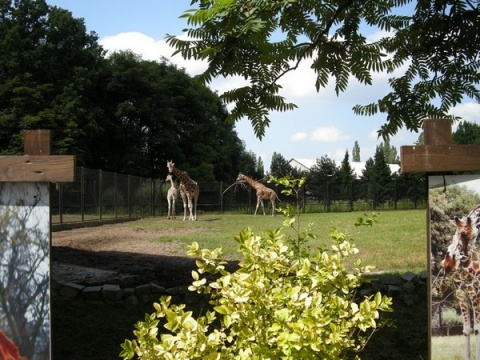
[
  {"x": 396, "y": 243},
  {"x": 451, "y": 347}
]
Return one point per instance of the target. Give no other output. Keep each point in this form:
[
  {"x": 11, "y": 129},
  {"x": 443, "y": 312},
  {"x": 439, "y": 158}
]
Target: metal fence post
[
  {"x": 100, "y": 194},
  {"x": 115, "y": 195},
  {"x": 60, "y": 202},
  {"x": 152, "y": 198},
  {"x": 128, "y": 197},
  {"x": 82, "y": 193}
]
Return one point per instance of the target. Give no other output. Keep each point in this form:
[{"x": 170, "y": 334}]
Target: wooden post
[{"x": 25, "y": 242}]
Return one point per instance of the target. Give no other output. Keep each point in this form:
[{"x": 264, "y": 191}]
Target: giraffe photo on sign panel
[
  {"x": 263, "y": 192},
  {"x": 188, "y": 187},
  {"x": 454, "y": 221}
]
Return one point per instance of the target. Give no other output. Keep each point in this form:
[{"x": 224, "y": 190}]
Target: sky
[{"x": 323, "y": 124}]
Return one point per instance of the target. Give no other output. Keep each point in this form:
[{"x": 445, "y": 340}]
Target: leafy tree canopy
[
  {"x": 280, "y": 166},
  {"x": 323, "y": 170},
  {"x": 390, "y": 151},
  {"x": 435, "y": 44},
  {"x": 467, "y": 133},
  {"x": 118, "y": 113},
  {"x": 356, "y": 152}
]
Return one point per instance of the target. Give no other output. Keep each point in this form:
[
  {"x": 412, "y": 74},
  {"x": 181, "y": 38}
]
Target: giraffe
[
  {"x": 263, "y": 192},
  {"x": 463, "y": 262},
  {"x": 188, "y": 187},
  {"x": 172, "y": 195}
]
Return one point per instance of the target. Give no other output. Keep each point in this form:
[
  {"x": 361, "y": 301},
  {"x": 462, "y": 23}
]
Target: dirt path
[{"x": 117, "y": 254}]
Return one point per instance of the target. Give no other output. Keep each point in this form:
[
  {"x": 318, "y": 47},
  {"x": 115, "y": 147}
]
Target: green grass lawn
[{"x": 396, "y": 243}]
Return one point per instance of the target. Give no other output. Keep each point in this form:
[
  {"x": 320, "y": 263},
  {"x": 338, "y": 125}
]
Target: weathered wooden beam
[
  {"x": 37, "y": 165},
  {"x": 37, "y": 168},
  {"x": 439, "y": 154},
  {"x": 439, "y": 158}
]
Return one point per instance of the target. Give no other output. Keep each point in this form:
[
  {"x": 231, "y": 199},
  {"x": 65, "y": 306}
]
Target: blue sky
[{"x": 323, "y": 124}]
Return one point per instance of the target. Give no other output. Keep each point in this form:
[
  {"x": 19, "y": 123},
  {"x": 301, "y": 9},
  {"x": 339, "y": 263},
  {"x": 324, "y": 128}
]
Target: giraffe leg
[
  {"x": 168, "y": 211},
  {"x": 263, "y": 206},
  {"x": 173, "y": 209},
  {"x": 184, "y": 209},
  {"x": 258, "y": 204},
  {"x": 190, "y": 206},
  {"x": 476, "y": 327},
  {"x": 467, "y": 325},
  {"x": 273, "y": 207}
]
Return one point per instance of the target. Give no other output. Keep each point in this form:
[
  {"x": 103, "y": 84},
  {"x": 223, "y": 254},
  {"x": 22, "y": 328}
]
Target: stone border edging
[{"x": 407, "y": 287}]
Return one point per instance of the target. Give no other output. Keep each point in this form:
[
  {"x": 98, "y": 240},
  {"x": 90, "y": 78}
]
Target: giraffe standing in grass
[
  {"x": 263, "y": 193},
  {"x": 172, "y": 195},
  {"x": 188, "y": 187},
  {"x": 463, "y": 263}
]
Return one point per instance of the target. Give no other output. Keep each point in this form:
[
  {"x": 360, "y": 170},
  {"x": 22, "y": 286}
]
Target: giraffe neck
[
  {"x": 181, "y": 176},
  {"x": 252, "y": 182}
]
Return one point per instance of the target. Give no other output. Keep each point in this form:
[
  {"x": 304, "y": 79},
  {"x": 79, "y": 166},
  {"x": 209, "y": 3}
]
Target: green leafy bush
[{"x": 279, "y": 304}]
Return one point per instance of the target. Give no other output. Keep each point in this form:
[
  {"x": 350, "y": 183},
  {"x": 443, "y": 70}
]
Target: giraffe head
[
  {"x": 460, "y": 250},
  {"x": 170, "y": 165},
  {"x": 169, "y": 178},
  {"x": 467, "y": 232},
  {"x": 241, "y": 177}
]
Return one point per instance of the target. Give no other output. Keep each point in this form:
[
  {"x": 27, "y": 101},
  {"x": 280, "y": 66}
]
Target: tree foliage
[
  {"x": 378, "y": 174},
  {"x": 435, "y": 44},
  {"x": 345, "y": 176},
  {"x": 356, "y": 152},
  {"x": 279, "y": 167},
  {"x": 324, "y": 169},
  {"x": 118, "y": 113},
  {"x": 466, "y": 133},
  {"x": 50, "y": 69},
  {"x": 390, "y": 152}
]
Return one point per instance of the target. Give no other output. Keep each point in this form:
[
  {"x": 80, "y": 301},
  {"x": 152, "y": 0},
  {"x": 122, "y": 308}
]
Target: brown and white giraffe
[
  {"x": 463, "y": 262},
  {"x": 263, "y": 192},
  {"x": 188, "y": 187},
  {"x": 172, "y": 195}
]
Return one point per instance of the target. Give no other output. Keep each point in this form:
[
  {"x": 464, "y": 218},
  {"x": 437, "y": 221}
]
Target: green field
[{"x": 396, "y": 243}]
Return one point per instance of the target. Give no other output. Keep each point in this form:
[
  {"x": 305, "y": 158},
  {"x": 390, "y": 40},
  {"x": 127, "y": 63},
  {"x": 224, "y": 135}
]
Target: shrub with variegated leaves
[{"x": 279, "y": 304}]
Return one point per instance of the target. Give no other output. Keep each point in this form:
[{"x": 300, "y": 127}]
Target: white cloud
[
  {"x": 468, "y": 112},
  {"x": 149, "y": 49},
  {"x": 299, "y": 136},
  {"x": 328, "y": 134}
]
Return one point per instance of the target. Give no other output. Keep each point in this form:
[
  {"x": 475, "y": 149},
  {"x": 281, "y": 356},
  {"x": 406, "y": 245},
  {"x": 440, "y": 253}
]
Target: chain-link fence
[{"x": 104, "y": 196}]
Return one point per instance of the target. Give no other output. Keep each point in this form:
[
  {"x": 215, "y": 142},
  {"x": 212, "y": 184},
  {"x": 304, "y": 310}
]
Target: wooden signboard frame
[
  {"x": 25, "y": 252},
  {"x": 439, "y": 158}
]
